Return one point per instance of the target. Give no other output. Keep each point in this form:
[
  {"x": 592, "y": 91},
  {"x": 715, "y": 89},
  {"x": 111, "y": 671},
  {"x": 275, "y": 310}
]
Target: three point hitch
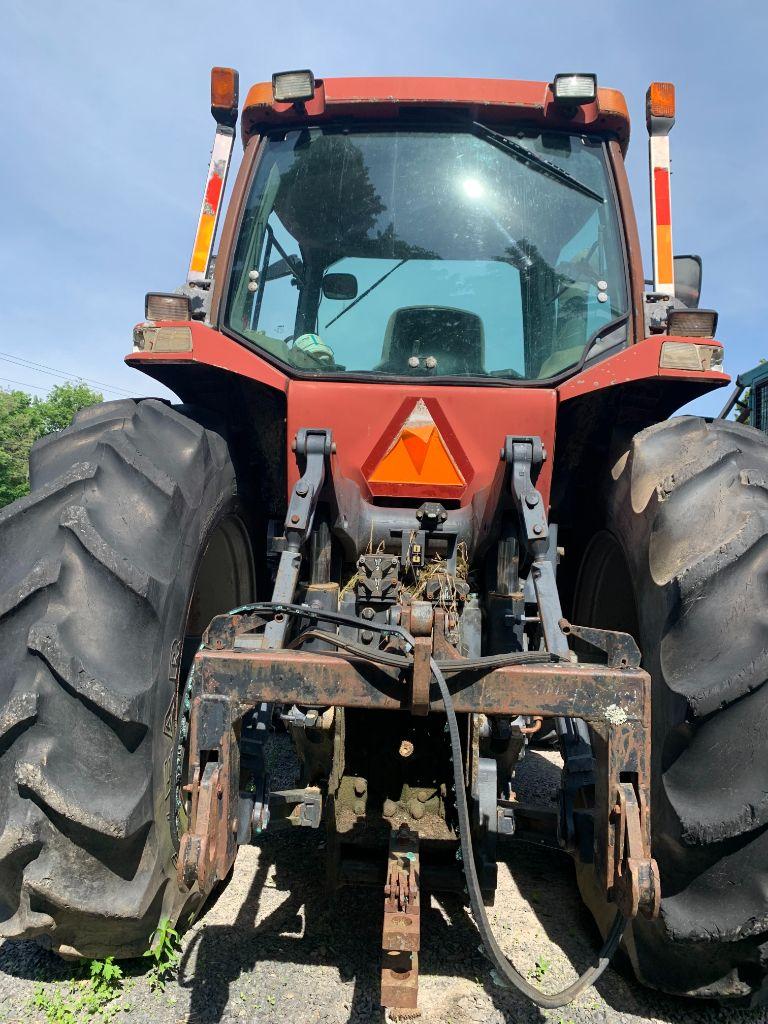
[{"x": 244, "y": 672}]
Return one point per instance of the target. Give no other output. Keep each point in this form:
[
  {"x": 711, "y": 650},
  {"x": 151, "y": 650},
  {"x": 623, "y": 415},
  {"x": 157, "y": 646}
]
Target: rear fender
[{"x": 473, "y": 419}]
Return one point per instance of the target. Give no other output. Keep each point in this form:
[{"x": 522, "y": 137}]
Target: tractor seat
[{"x": 453, "y": 338}]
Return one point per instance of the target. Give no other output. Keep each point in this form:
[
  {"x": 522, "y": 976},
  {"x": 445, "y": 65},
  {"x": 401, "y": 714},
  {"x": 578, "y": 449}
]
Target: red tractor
[{"x": 422, "y": 499}]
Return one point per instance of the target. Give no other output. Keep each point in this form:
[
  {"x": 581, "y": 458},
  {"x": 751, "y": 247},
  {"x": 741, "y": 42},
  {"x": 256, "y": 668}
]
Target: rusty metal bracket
[
  {"x": 207, "y": 850},
  {"x": 222, "y": 629},
  {"x": 422, "y": 675},
  {"x": 620, "y": 648},
  {"x": 401, "y": 934},
  {"x": 636, "y": 884},
  {"x": 418, "y": 618}
]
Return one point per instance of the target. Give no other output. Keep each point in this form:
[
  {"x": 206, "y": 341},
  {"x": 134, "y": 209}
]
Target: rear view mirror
[
  {"x": 688, "y": 280},
  {"x": 340, "y": 286}
]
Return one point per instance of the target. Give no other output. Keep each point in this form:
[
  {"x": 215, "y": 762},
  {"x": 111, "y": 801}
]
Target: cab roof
[{"x": 490, "y": 100}]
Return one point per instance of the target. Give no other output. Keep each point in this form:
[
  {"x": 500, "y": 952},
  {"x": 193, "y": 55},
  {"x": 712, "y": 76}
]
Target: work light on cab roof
[
  {"x": 575, "y": 88},
  {"x": 293, "y": 86}
]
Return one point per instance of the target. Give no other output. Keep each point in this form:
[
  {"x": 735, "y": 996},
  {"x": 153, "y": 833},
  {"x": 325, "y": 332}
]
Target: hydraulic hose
[{"x": 494, "y": 952}]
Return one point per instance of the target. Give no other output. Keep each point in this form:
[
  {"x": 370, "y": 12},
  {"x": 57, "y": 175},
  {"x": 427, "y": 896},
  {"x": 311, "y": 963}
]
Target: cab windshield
[{"x": 428, "y": 253}]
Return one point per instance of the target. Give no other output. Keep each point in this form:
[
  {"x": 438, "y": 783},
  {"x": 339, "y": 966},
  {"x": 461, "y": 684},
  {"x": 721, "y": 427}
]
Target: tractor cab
[{"x": 468, "y": 252}]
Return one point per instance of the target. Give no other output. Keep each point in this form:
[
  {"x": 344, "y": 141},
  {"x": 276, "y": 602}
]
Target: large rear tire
[
  {"x": 131, "y": 539},
  {"x": 683, "y": 565}
]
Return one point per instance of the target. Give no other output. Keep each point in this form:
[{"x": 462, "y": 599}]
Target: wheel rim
[{"x": 605, "y": 597}]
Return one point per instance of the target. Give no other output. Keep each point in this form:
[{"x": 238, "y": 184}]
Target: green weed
[
  {"x": 164, "y": 953},
  {"x": 106, "y": 979},
  {"x": 93, "y": 997},
  {"x": 541, "y": 968}
]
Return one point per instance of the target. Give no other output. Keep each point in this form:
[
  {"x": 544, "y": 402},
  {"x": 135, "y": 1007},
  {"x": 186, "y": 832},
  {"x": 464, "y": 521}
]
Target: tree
[{"x": 24, "y": 419}]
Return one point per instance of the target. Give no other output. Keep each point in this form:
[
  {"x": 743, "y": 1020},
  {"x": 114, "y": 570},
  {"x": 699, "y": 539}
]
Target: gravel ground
[{"x": 275, "y": 947}]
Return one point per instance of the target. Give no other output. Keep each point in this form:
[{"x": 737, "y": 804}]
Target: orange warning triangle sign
[{"x": 418, "y": 455}]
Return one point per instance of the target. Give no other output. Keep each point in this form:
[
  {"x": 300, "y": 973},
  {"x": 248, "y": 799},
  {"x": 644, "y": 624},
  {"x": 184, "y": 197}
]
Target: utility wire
[
  {"x": 32, "y": 387},
  {"x": 44, "y": 368}
]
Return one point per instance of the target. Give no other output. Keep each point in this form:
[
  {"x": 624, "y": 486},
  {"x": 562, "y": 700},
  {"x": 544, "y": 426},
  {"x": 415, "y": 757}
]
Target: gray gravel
[{"x": 275, "y": 947}]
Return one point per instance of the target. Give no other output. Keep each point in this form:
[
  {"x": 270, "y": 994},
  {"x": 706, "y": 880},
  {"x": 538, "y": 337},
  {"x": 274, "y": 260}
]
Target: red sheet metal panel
[{"x": 473, "y": 421}]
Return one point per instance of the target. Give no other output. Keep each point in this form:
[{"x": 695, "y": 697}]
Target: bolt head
[
  {"x": 538, "y": 529},
  {"x": 294, "y": 518}
]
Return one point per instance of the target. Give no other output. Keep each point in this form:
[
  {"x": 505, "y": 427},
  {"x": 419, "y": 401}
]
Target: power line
[
  {"x": 33, "y": 387},
  {"x": 44, "y": 368},
  {"x": 22, "y": 384}
]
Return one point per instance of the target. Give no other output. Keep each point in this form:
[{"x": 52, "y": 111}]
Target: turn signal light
[
  {"x": 660, "y": 100},
  {"x": 293, "y": 86},
  {"x": 224, "y": 89},
  {"x": 678, "y": 355}
]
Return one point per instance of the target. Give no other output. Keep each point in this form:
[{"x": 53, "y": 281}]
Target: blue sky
[{"x": 107, "y": 133}]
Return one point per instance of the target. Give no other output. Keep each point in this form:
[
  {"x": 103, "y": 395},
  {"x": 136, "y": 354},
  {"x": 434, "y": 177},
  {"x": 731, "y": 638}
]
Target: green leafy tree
[{"x": 24, "y": 419}]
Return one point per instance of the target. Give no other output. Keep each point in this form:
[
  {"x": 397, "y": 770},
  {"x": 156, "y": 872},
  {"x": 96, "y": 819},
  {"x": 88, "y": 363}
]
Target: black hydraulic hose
[
  {"x": 494, "y": 952},
  {"x": 449, "y": 666}
]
